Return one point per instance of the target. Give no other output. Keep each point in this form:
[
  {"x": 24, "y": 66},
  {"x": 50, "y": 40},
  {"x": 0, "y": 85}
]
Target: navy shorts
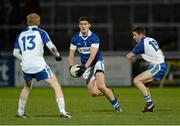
[
  {"x": 157, "y": 70},
  {"x": 42, "y": 75}
]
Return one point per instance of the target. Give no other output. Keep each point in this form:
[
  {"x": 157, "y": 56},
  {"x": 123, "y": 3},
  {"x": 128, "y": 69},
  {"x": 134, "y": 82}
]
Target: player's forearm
[
  {"x": 55, "y": 52},
  {"x": 53, "y": 49},
  {"x": 89, "y": 62},
  {"x": 71, "y": 57},
  {"x": 17, "y": 54},
  {"x": 71, "y": 60},
  {"x": 92, "y": 56}
]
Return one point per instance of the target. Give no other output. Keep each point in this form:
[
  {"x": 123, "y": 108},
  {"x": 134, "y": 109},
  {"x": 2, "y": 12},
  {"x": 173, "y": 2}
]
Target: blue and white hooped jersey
[
  {"x": 83, "y": 44},
  {"x": 149, "y": 50},
  {"x": 31, "y": 42}
]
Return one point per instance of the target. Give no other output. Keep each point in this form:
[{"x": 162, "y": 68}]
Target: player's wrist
[
  {"x": 57, "y": 54},
  {"x": 58, "y": 58},
  {"x": 84, "y": 66}
]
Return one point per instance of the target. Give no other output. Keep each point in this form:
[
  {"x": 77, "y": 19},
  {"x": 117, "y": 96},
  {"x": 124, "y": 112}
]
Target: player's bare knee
[
  {"x": 102, "y": 88},
  {"x": 27, "y": 88},
  {"x": 136, "y": 81},
  {"x": 93, "y": 94},
  {"x": 28, "y": 85},
  {"x": 55, "y": 85},
  {"x": 52, "y": 83}
]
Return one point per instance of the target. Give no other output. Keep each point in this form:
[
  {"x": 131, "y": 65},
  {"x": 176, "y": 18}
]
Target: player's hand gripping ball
[
  {"x": 76, "y": 70},
  {"x": 73, "y": 70}
]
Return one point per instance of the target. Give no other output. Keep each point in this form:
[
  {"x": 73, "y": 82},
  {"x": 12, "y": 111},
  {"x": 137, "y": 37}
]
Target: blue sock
[
  {"x": 115, "y": 103},
  {"x": 148, "y": 99}
]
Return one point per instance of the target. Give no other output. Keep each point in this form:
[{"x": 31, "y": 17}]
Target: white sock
[
  {"x": 21, "y": 107},
  {"x": 61, "y": 104}
]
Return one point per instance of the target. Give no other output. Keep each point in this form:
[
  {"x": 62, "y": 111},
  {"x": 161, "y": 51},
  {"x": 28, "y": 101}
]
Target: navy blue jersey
[{"x": 83, "y": 44}]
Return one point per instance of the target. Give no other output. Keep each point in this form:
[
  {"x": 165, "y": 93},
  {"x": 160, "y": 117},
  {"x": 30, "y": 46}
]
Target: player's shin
[
  {"x": 61, "y": 104},
  {"x": 21, "y": 106},
  {"x": 23, "y": 98},
  {"x": 110, "y": 96}
]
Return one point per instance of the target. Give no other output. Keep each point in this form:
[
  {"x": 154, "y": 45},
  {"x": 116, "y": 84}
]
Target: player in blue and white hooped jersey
[
  {"x": 87, "y": 43},
  {"x": 29, "y": 50},
  {"x": 148, "y": 48}
]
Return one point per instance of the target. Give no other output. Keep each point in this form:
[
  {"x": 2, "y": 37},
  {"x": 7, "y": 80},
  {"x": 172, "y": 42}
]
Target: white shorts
[{"x": 89, "y": 74}]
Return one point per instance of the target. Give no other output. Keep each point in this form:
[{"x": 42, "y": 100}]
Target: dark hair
[
  {"x": 139, "y": 30},
  {"x": 84, "y": 18}
]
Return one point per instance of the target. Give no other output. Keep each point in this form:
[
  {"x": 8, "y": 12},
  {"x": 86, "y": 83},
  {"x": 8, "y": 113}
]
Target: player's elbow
[{"x": 15, "y": 52}]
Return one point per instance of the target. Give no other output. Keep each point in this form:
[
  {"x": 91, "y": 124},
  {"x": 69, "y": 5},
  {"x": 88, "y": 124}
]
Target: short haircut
[
  {"x": 33, "y": 19},
  {"x": 139, "y": 30},
  {"x": 84, "y": 18}
]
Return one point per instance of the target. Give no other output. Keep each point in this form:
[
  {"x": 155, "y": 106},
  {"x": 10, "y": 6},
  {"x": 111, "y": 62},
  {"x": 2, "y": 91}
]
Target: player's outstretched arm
[
  {"x": 17, "y": 54},
  {"x": 54, "y": 51}
]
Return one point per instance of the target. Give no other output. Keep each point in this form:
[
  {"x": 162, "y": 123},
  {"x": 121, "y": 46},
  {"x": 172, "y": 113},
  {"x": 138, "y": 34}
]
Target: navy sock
[
  {"x": 148, "y": 99},
  {"x": 115, "y": 103}
]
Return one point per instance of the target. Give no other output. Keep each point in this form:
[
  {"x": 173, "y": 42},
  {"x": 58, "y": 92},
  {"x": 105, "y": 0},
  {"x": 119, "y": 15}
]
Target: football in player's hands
[
  {"x": 81, "y": 70},
  {"x": 76, "y": 70},
  {"x": 73, "y": 70}
]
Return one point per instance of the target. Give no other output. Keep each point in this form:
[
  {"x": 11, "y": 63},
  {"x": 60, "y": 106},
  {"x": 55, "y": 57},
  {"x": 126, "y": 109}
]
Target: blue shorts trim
[
  {"x": 157, "y": 70},
  {"x": 42, "y": 75}
]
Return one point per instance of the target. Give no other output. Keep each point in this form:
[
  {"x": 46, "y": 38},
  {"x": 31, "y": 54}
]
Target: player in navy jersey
[
  {"x": 87, "y": 43},
  {"x": 29, "y": 50},
  {"x": 149, "y": 50}
]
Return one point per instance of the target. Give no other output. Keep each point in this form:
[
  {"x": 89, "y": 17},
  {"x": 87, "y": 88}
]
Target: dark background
[{"x": 112, "y": 20}]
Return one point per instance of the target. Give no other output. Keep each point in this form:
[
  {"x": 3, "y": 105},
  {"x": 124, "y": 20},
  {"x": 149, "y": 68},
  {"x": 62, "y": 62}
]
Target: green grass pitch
[{"x": 42, "y": 108}]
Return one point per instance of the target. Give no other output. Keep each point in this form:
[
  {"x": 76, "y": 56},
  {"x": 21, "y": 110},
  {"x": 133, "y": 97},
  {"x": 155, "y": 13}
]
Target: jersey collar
[
  {"x": 81, "y": 35},
  {"x": 33, "y": 26},
  {"x": 142, "y": 39}
]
